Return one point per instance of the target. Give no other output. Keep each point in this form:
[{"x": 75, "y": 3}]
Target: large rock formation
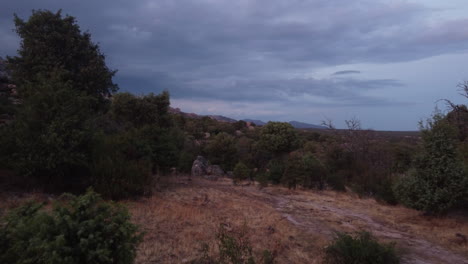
[
  {"x": 215, "y": 170},
  {"x": 200, "y": 167}
]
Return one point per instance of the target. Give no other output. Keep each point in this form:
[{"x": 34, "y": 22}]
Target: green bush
[
  {"x": 84, "y": 229},
  {"x": 241, "y": 172},
  {"x": 119, "y": 169},
  {"x": 233, "y": 247},
  {"x": 275, "y": 170},
  {"x": 337, "y": 181},
  {"x": 362, "y": 248},
  {"x": 439, "y": 182},
  {"x": 262, "y": 179}
]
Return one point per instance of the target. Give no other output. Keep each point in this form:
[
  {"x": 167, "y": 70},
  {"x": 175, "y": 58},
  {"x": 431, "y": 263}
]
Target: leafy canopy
[{"x": 54, "y": 45}]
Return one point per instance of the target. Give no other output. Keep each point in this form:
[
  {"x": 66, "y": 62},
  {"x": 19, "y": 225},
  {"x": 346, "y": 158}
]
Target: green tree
[
  {"x": 52, "y": 138},
  {"x": 222, "y": 150},
  {"x": 278, "y": 138},
  {"x": 63, "y": 84},
  {"x": 241, "y": 172},
  {"x": 150, "y": 109},
  {"x": 54, "y": 45},
  {"x": 439, "y": 181}
]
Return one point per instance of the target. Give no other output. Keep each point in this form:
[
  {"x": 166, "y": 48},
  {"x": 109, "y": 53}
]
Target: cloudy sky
[{"x": 383, "y": 62}]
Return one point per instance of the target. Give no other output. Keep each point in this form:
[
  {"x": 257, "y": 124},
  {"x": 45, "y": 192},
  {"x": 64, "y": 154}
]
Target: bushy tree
[
  {"x": 52, "y": 44},
  {"x": 52, "y": 137},
  {"x": 241, "y": 172},
  {"x": 305, "y": 170},
  {"x": 63, "y": 83},
  {"x": 150, "y": 109},
  {"x": 84, "y": 229},
  {"x": 278, "y": 138},
  {"x": 222, "y": 150},
  {"x": 439, "y": 181}
]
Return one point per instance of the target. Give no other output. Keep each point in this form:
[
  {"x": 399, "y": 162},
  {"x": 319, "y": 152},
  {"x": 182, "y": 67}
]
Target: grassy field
[{"x": 182, "y": 215}]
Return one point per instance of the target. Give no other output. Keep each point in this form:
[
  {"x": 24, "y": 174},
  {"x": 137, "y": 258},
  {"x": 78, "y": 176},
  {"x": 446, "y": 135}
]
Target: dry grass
[
  {"x": 295, "y": 225},
  {"x": 178, "y": 220}
]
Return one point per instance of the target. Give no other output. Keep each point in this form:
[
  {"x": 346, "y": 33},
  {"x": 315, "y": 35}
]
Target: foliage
[
  {"x": 119, "y": 170},
  {"x": 241, "y": 172},
  {"x": 276, "y": 169},
  {"x": 52, "y": 139},
  {"x": 83, "y": 230},
  {"x": 305, "y": 170},
  {"x": 262, "y": 179},
  {"x": 63, "y": 83},
  {"x": 278, "y": 137},
  {"x": 52, "y": 45},
  {"x": 234, "y": 248},
  {"x": 150, "y": 109},
  {"x": 439, "y": 181},
  {"x": 362, "y": 248},
  {"x": 222, "y": 150}
]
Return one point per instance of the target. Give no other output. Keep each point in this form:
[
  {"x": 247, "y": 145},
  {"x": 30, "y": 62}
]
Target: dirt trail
[
  {"x": 324, "y": 214},
  {"x": 303, "y": 214}
]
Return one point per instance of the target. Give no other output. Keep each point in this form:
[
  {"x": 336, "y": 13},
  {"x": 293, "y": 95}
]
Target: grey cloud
[
  {"x": 346, "y": 72},
  {"x": 251, "y": 50}
]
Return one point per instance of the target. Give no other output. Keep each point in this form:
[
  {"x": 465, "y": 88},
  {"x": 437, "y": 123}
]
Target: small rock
[{"x": 460, "y": 239}]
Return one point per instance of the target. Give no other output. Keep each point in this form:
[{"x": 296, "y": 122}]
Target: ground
[{"x": 295, "y": 225}]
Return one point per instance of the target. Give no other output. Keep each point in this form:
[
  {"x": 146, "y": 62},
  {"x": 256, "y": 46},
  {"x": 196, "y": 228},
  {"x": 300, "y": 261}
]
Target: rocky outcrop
[
  {"x": 215, "y": 170},
  {"x": 201, "y": 168}
]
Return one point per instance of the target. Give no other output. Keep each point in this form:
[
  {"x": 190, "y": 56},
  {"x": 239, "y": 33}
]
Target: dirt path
[
  {"x": 325, "y": 213},
  {"x": 304, "y": 214}
]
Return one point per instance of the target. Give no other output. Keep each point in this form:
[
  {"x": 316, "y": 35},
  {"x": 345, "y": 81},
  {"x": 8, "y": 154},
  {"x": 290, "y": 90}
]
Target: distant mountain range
[
  {"x": 295, "y": 124},
  {"x": 221, "y": 118}
]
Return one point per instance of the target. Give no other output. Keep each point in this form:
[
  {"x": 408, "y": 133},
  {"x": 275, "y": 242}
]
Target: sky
[{"x": 386, "y": 63}]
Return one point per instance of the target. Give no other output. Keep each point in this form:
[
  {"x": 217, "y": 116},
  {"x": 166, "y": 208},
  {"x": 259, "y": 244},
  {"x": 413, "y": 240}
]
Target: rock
[
  {"x": 271, "y": 230},
  {"x": 199, "y": 166},
  {"x": 215, "y": 170},
  {"x": 460, "y": 239},
  {"x": 230, "y": 174}
]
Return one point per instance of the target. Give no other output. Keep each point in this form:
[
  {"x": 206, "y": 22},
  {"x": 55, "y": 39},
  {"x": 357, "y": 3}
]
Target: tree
[
  {"x": 278, "y": 138},
  {"x": 52, "y": 137},
  {"x": 54, "y": 45},
  {"x": 439, "y": 181},
  {"x": 63, "y": 83},
  {"x": 150, "y": 109},
  {"x": 222, "y": 150},
  {"x": 241, "y": 172}
]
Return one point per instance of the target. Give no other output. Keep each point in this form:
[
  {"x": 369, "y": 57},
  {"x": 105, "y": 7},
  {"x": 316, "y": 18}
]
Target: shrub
[
  {"x": 119, "y": 170},
  {"x": 83, "y": 230},
  {"x": 337, "y": 181},
  {"x": 275, "y": 170},
  {"x": 262, "y": 179},
  {"x": 233, "y": 247},
  {"x": 278, "y": 137},
  {"x": 241, "y": 172},
  {"x": 362, "y": 248},
  {"x": 222, "y": 150},
  {"x": 439, "y": 181}
]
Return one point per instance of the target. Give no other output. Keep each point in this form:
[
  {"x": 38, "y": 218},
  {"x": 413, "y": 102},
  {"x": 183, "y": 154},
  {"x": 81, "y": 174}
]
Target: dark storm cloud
[
  {"x": 346, "y": 72},
  {"x": 249, "y": 50}
]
